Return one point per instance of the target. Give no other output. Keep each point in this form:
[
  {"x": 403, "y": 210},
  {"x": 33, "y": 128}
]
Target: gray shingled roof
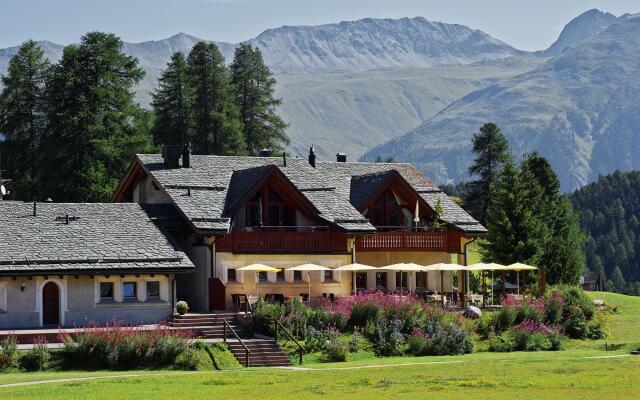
[
  {"x": 99, "y": 237},
  {"x": 334, "y": 189}
]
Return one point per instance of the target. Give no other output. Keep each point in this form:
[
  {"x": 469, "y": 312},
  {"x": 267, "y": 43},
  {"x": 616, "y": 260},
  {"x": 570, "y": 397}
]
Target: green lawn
[{"x": 583, "y": 371}]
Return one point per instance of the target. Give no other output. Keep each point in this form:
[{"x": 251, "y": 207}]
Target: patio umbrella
[
  {"x": 309, "y": 268},
  {"x": 520, "y": 267},
  {"x": 355, "y": 267},
  {"x": 257, "y": 267}
]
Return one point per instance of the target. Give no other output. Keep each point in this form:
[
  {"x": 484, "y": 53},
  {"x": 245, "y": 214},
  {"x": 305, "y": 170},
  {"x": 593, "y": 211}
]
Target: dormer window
[{"x": 267, "y": 208}]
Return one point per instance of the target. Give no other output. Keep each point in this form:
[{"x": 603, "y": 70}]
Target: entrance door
[
  {"x": 217, "y": 294},
  {"x": 50, "y": 304}
]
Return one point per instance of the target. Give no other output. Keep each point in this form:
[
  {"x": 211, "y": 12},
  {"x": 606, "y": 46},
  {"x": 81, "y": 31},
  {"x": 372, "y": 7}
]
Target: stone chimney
[{"x": 341, "y": 157}]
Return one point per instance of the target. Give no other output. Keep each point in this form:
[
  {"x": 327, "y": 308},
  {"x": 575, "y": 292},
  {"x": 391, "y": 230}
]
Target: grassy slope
[{"x": 571, "y": 374}]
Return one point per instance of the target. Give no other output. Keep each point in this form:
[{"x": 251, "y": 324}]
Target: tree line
[
  {"x": 609, "y": 210},
  {"x": 527, "y": 217},
  {"x": 70, "y": 129}
]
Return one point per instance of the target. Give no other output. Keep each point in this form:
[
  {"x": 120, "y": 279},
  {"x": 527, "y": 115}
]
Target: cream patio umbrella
[
  {"x": 487, "y": 267},
  {"x": 355, "y": 267},
  {"x": 520, "y": 267},
  {"x": 257, "y": 267},
  {"x": 308, "y": 268}
]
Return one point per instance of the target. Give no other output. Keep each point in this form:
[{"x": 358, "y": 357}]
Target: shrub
[
  {"x": 8, "y": 353},
  {"x": 182, "y": 307},
  {"x": 537, "y": 342},
  {"x": 118, "y": 346},
  {"x": 502, "y": 344},
  {"x": 189, "y": 360},
  {"x": 598, "y": 327},
  {"x": 528, "y": 312},
  {"x": 575, "y": 322},
  {"x": 356, "y": 342},
  {"x": 318, "y": 340},
  {"x": 555, "y": 341},
  {"x": 553, "y": 307},
  {"x": 263, "y": 316},
  {"x": 417, "y": 344},
  {"x": 35, "y": 359},
  {"x": 485, "y": 325},
  {"x": 363, "y": 313},
  {"x": 388, "y": 337},
  {"x": 337, "y": 350},
  {"x": 444, "y": 337},
  {"x": 505, "y": 319}
]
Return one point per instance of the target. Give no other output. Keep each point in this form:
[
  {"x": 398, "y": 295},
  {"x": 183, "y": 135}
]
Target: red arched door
[{"x": 50, "y": 304}]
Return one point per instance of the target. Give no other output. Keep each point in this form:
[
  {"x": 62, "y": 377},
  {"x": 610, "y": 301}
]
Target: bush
[
  {"x": 485, "y": 325},
  {"x": 318, "y": 340},
  {"x": 263, "y": 316},
  {"x": 121, "y": 347},
  {"x": 575, "y": 322},
  {"x": 356, "y": 342},
  {"x": 528, "y": 312},
  {"x": 364, "y": 313},
  {"x": 537, "y": 342},
  {"x": 8, "y": 354},
  {"x": 189, "y": 360},
  {"x": 444, "y": 337},
  {"x": 598, "y": 327},
  {"x": 388, "y": 338},
  {"x": 337, "y": 350},
  {"x": 35, "y": 359},
  {"x": 182, "y": 307},
  {"x": 502, "y": 344},
  {"x": 417, "y": 345},
  {"x": 505, "y": 319}
]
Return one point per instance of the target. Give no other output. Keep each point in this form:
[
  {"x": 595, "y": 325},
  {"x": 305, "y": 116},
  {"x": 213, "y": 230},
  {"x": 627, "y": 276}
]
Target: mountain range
[{"x": 417, "y": 90}]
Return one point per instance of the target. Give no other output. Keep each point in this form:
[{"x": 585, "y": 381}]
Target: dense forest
[
  {"x": 609, "y": 210},
  {"x": 69, "y": 130}
]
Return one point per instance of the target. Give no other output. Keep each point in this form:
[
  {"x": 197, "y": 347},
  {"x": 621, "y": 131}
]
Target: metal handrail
[
  {"x": 300, "y": 348},
  {"x": 246, "y": 349}
]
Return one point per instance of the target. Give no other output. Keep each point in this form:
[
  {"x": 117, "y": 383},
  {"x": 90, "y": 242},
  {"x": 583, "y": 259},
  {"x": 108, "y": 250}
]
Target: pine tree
[
  {"x": 562, "y": 256},
  {"x": 619, "y": 284},
  {"x": 217, "y": 123},
  {"x": 172, "y": 103},
  {"x": 254, "y": 93},
  {"x": 94, "y": 126},
  {"x": 22, "y": 118},
  {"x": 492, "y": 151},
  {"x": 515, "y": 234}
]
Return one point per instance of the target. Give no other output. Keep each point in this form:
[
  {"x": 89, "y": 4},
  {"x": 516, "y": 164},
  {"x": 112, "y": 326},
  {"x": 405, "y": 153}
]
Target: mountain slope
[
  {"x": 353, "y": 111},
  {"x": 580, "y": 28},
  {"x": 579, "y": 109},
  {"x": 376, "y": 43}
]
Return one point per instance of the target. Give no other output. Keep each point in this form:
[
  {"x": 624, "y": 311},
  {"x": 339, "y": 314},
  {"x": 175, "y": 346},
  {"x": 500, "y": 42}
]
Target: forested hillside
[{"x": 609, "y": 212}]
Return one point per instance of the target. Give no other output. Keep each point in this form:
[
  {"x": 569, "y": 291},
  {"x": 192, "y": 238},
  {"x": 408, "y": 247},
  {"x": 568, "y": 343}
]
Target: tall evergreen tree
[
  {"x": 172, "y": 103},
  {"x": 515, "y": 234},
  {"x": 94, "y": 126},
  {"x": 492, "y": 151},
  {"x": 563, "y": 255},
  {"x": 22, "y": 118},
  {"x": 217, "y": 124},
  {"x": 254, "y": 86}
]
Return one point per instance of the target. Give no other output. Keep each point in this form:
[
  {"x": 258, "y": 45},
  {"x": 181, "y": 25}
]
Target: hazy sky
[{"x": 525, "y": 24}]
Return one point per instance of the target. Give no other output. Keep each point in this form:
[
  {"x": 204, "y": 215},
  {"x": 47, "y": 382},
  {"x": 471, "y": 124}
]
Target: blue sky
[{"x": 525, "y": 24}]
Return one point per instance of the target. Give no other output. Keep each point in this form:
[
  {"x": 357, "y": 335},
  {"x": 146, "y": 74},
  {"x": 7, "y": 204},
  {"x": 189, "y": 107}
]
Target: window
[
  {"x": 106, "y": 290},
  {"x": 381, "y": 280},
  {"x": 280, "y": 275},
  {"x": 231, "y": 275},
  {"x": 297, "y": 275},
  {"x": 361, "y": 280},
  {"x": 328, "y": 276},
  {"x": 402, "y": 279},
  {"x": 3, "y": 296},
  {"x": 129, "y": 290},
  {"x": 153, "y": 289},
  {"x": 262, "y": 276}
]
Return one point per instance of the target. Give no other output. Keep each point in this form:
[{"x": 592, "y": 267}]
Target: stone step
[{"x": 264, "y": 352}]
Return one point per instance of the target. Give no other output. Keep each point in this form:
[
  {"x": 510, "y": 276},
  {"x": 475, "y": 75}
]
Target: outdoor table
[{"x": 474, "y": 298}]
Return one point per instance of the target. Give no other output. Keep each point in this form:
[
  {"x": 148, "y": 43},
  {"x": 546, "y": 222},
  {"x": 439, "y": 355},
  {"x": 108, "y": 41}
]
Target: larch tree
[
  {"x": 492, "y": 151},
  {"x": 254, "y": 86},
  {"x": 172, "y": 103},
  {"x": 22, "y": 118},
  {"x": 94, "y": 126},
  {"x": 217, "y": 126}
]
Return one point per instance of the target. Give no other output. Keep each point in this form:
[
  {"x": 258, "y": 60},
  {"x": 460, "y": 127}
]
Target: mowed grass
[{"x": 583, "y": 371}]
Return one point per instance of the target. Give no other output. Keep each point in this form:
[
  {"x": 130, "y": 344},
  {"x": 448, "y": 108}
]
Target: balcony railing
[
  {"x": 442, "y": 241},
  {"x": 283, "y": 240}
]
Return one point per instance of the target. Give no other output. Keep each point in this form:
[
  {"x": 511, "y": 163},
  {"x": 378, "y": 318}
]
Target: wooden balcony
[
  {"x": 283, "y": 241},
  {"x": 443, "y": 241}
]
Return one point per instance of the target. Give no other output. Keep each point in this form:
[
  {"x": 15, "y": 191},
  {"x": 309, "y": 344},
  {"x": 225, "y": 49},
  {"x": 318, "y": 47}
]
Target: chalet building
[
  {"x": 226, "y": 212},
  {"x": 69, "y": 264}
]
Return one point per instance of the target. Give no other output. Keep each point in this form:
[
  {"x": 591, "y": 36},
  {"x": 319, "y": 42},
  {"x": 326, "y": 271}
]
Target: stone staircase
[{"x": 265, "y": 352}]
